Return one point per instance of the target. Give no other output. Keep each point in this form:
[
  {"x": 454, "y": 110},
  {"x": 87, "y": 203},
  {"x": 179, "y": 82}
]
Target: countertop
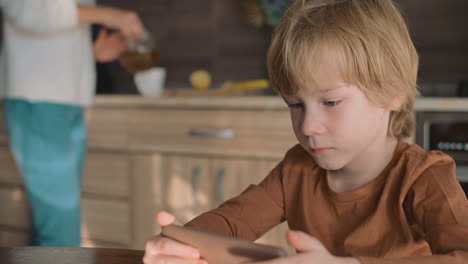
[{"x": 444, "y": 104}]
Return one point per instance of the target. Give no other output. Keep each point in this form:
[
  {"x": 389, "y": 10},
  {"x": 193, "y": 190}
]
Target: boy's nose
[{"x": 312, "y": 125}]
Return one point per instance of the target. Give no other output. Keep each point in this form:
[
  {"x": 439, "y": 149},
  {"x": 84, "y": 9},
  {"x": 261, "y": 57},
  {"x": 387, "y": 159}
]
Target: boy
[{"x": 357, "y": 193}]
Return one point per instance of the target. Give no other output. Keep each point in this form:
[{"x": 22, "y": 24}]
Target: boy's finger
[
  {"x": 164, "y": 218},
  {"x": 303, "y": 242},
  {"x": 169, "y": 247}
]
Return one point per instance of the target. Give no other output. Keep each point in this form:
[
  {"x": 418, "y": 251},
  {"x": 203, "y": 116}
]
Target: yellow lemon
[{"x": 200, "y": 79}]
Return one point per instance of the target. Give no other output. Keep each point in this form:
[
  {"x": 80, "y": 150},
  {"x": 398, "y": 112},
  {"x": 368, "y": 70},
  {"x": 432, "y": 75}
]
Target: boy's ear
[{"x": 396, "y": 104}]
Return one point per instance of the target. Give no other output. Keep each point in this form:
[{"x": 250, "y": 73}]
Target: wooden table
[{"x": 68, "y": 255}]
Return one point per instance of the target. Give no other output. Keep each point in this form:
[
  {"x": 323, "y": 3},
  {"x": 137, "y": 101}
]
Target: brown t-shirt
[{"x": 414, "y": 209}]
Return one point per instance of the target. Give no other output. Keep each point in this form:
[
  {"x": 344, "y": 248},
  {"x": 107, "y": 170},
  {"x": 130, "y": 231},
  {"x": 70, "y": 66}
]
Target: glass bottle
[{"x": 141, "y": 54}]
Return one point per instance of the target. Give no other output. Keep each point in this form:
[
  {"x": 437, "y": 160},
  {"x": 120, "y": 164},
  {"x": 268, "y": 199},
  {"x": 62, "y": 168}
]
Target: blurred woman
[{"x": 47, "y": 78}]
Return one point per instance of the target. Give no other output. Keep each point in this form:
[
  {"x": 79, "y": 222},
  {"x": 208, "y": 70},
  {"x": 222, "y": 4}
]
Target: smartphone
[{"x": 217, "y": 249}]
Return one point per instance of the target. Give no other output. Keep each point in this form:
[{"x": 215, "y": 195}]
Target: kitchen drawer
[
  {"x": 106, "y": 221},
  {"x": 107, "y": 128},
  {"x": 223, "y": 131},
  {"x": 15, "y": 209},
  {"x": 8, "y": 170},
  {"x": 107, "y": 173}
]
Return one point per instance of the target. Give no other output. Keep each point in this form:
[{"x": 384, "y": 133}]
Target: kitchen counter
[
  {"x": 197, "y": 102},
  {"x": 442, "y": 104},
  {"x": 445, "y": 104}
]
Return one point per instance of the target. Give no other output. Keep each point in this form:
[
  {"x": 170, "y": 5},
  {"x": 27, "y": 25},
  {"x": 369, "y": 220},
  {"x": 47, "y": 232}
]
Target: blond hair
[{"x": 366, "y": 39}]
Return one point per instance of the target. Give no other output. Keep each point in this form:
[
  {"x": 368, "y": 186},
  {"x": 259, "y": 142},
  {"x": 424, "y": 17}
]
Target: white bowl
[{"x": 150, "y": 83}]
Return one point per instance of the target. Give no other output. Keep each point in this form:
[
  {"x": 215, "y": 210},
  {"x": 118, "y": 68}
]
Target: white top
[{"x": 47, "y": 55}]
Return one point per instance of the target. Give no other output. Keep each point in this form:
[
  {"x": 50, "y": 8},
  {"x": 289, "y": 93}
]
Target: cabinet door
[
  {"x": 146, "y": 196},
  {"x": 106, "y": 220},
  {"x": 15, "y": 220},
  {"x": 15, "y": 208},
  {"x": 232, "y": 176},
  {"x": 12, "y": 238},
  {"x": 9, "y": 173},
  {"x": 187, "y": 180},
  {"x": 227, "y": 177}
]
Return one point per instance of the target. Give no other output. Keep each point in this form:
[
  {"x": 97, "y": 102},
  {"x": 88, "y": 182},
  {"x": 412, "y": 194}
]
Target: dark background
[
  {"x": 214, "y": 35},
  {"x": 204, "y": 34}
]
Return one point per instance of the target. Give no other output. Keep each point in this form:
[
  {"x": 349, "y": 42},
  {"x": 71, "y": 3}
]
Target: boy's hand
[
  {"x": 310, "y": 250},
  {"x": 165, "y": 250}
]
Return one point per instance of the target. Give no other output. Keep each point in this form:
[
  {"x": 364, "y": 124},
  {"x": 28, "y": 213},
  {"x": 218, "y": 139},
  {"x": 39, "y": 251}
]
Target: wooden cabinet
[
  {"x": 196, "y": 185},
  {"x": 183, "y": 155}
]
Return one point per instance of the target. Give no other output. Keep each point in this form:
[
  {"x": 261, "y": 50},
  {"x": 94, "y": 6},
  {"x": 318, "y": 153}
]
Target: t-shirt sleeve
[
  {"x": 439, "y": 207},
  {"x": 41, "y": 16},
  {"x": 249, "y": 215}
]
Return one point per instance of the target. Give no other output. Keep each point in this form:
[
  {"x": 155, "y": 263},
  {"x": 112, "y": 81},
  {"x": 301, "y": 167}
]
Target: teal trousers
[{"x": 48, "y": 142}]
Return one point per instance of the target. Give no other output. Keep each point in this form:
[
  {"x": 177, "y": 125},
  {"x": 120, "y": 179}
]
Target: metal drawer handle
[
  {"x": 196, "y": 174},
  {"x": 220, "y": 133},
  {"x": 220, "y": 185}
]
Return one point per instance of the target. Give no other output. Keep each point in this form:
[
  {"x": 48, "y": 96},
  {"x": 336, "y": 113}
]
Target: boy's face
[{"x": 335, "y": 122}]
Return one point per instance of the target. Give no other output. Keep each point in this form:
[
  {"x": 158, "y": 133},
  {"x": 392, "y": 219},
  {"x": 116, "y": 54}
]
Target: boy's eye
[{"x": 331, "y": 103}]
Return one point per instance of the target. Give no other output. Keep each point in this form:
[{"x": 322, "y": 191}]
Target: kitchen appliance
[
  {"x": 462, "y": 90},
  {"x": 447, "y": 132}
]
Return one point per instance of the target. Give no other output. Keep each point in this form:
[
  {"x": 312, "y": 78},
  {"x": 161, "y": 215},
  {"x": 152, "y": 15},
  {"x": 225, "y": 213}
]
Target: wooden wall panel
[
  {"x": 441, "y": 36},
  {"x": 214, "y": 35},
  {"x": 208, "y": 34}
]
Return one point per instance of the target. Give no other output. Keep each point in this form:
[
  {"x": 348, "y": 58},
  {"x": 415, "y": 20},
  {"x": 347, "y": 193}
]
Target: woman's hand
[
  {"x": 310, "y": 250},
  {"x": 165, "y": 250},
  {"x": 127, "y": 22},
  {"x": 109, "y": 46}
]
